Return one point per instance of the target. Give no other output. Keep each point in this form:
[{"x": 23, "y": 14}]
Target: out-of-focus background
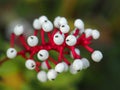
[{"x": 103, "y": 15}]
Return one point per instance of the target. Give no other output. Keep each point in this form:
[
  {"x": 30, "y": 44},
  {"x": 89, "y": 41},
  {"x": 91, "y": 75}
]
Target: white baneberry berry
[
  {"x": 72, "y": 70},
  {"x": 36, "y": 24},
  {"x": 30, "y": 64},
  {"x": 95, "y": 34},
  {"x": 58, "y": 39},
  {"x": 64, "y": 28},
  {"x": 42, "y": 19},
  {"x": 32, "y": 41},
  {"x": 60, "y": 67},
  {"x": 71, "y": 40},
  {"x": 78, "y": 64},
  {"x": 79, "y": 24},
  {"x": 11, "y": 53},
  {"x": 97, "y": 56},
  {"x": 18, "y": 30},
  {"x": 42, "y": 76},
  {"x": 47, "y": 26},
  {"x": 52, "y": 74},
  {"x": 43, "y": 55},
  {"x": 65, "y": 66},
  {"x": 56, "y": 21},
  {"x": 62, "y": 21},
  {"x": 86, "y": 63},
  {"x": 88, "y": 32}
]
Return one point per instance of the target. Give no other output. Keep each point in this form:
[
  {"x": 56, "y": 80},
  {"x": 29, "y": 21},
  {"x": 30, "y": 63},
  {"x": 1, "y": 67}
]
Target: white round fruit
[
  {"x": 62, "y": 21},
  {"x": 97, "y": 56},
  {"x": 72, "y": 70},
  {"x": 32, "y": 41},
  {"x": 64, "y": 28},
  {"x": 58, "y": 39},
  {"x": 43, "y": 55},
  {"x": 88, "y": 32},
  {"x": 86, "y": 63},
  {"x": 56, "y": 21},
  {"x": 18, "y": 30},
  {"x": 36, "y": 24},
  {"x": 42, "y": 76},
  {"x": 79, "y": 24},
  {"x": 95, "y": 34},
  {"x": 52, "y": 74},
  {"x": 78, "y": 64},
  {"x": 60, "y": 67},
  {"x": 42, "y": 19},
  {"x": 47, "y": 26},
  {"x": 11, "y": 53},
  {"x": 71, "y": 40},
  {"x": 30, "y": 64},
  {"x": 65, "y": 66}
]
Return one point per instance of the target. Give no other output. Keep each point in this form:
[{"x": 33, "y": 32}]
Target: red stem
[
  {"x": 60, "y": 54},
  {"x": 89, "y": 48},
  {"x": 89, "y": 38},
  {"x": 35, "y": 32},
  {"x": 22, "y": 39},
  {"x": 77, "y": 31},
  {"x": 52, "y": 60},
  {"x": 49, "y": 37},
  {"x": 42, "y": 36},
  {"x": 37, "y": 66},
  {"x": 75, "y": 55},
  {"x": 12, "y": 38},
  {"x": 47, "y": 63},
  {"x": 66, "y": 61},
  {"x": 22, "y": 53}
]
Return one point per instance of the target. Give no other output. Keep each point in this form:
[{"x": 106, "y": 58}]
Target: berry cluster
[{"x": 60, "y": 41}]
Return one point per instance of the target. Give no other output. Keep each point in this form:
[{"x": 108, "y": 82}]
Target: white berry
[
  {"x": 42, "y": 19},
  {"x": 44, "y": 66},
  {"x": 43, "y": 55},
  {"x": 60, "y": 67},
  {"x": 79, "y": 24},
  {"x": 58, "y": 39},
  {"x": 36, "y": 24},
  {"x": 64, "y": 28},
  {"x": 65, "y": 66},
  {"x": 97, "y": 56},
  {"x": 11, "y": 53},
  {"x": 71, "y": 40},
  {"x": 52, "y": 74},
  {"x": 32, "y": 41},
  {"x": 72, "y": 70},
  {"x": 78, "y": 64},
  {"x": 63, "y": 21},
  {"x": 30, "y": 64},
  {"x": 88, "y": 32},
  {"x": 95, "y": 34},
  {"x": 18, "y": 30},
  {"x": 47, "y": 26},
  {"x": 56, "y": 21},
  {"x": 86, "y": 63},
  {"x": 42, "y": 76}
]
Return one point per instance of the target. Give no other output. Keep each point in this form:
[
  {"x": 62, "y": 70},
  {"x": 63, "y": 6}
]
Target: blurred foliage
[{"x": 100, "y": 14}]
